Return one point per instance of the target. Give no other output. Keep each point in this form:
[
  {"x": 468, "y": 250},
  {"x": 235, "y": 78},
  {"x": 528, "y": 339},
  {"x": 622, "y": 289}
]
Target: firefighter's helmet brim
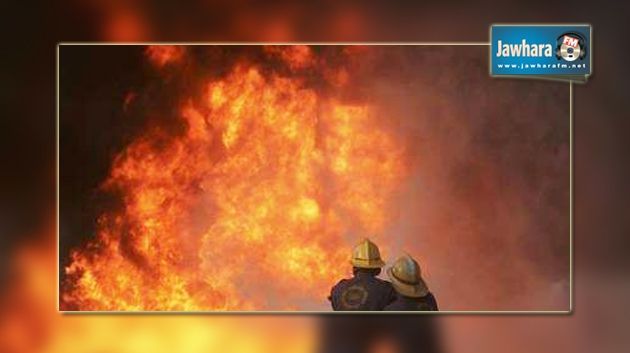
[{"x": 367, "y": 263}]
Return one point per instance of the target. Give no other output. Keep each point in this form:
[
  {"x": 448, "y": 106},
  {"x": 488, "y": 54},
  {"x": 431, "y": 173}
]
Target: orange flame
[
  {"x": 160, "y": 55},
  {"x": 29, "y": 322},
  {"x": 255, "y": 206},
  {"x": 297, "y": 57}
]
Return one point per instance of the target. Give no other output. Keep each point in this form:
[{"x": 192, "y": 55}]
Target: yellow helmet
[
  {"x": 406, "y": 277},
  {"x": 366, "y": 255}
]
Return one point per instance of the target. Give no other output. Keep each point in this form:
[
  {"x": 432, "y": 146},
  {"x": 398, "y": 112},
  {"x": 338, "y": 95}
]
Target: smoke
[{"x": 486, "y": 207}]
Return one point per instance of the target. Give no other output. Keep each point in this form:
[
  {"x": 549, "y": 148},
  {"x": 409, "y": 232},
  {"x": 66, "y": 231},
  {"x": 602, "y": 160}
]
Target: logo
[
  {"x": 571, "y": 46},
  {"x": 354, "y": 297},
  {"x": 558, "y": 51},
  {"x": 523, "y": 49}
]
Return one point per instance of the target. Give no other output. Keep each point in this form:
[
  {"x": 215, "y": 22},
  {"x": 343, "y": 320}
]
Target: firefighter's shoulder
[{"x": 343, "y": 282}]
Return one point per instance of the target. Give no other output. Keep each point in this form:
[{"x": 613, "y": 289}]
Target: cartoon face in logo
[
  {"x": 570, "y": 47},
  {"x": 354, "y": 297}
]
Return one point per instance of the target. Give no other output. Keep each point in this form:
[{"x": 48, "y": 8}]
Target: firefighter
[
  {"x": 412, "y": 292},
  {"x": 364, "y": 291}
]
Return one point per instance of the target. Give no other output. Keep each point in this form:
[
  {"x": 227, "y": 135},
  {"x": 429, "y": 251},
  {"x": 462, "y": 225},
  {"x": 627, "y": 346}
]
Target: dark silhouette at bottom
[{"x": 360, "y": 333}]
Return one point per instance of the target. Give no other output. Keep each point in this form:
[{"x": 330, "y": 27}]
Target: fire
[
  {"x": 297, "y": 57},
  {"x": 253, "y": 205},
  {"x": 161, "y": 55},
  {"x": 29, "y": 322}
]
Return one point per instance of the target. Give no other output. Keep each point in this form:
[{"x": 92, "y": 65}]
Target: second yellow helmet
[{"x": 406, "y": 277}]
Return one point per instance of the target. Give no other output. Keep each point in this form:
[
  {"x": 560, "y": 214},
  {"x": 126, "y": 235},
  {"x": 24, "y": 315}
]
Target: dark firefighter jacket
[
  {"x": 363, "y": 292},
  {"x": 402, "y": 303}
]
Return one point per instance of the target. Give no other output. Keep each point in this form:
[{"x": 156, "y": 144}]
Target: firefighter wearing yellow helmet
[
  {"x": 412, "y": 292},
  {"x": 364, "y": 291}
]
